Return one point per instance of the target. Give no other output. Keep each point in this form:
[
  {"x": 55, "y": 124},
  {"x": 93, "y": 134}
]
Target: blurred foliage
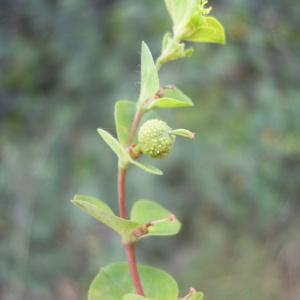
[{"x": 63, "y": 65}]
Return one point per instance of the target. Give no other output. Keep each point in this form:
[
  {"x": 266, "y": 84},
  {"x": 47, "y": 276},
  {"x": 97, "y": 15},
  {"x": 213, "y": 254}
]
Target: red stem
[
  {"x": 122, "y": 193},
  {"x": 130, "y": 247},
  {"x": 135, "y": 123}
]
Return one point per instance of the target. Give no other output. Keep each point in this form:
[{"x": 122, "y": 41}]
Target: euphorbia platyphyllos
[{"x": 140, "y": 131}]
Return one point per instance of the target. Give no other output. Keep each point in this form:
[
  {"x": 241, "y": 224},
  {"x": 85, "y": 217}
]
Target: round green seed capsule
[{"x": 155, "y": 138}]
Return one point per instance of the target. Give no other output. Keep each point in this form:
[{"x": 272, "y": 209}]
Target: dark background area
[{"x": 236, "y": 189}]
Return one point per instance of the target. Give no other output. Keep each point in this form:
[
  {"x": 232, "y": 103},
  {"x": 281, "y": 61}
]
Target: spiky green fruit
[{"x": 155, "y": 138}]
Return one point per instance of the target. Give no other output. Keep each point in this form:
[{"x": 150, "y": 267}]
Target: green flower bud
[{"x": 155, "y": 138}]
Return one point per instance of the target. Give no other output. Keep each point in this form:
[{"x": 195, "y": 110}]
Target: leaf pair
[
  {"x": 114, "y": 283},
  {"x": 143, "y": 212},
  {"x": 190, "y": 21},
  {"x": 171, "y": 97}
]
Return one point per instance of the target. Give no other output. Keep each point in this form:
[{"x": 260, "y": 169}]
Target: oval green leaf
[
  {"x": 103, "y": 213},
  {"x": 172, "y": 98},
  {"x": 149, "y": 75},
  {"x": 114, "y": 281},
  {"x": 148, "y": 168},
  {"x": 145, "y": 211},
  {"x": 115, "y": 146},
  {"x": 212, "y": 31},
  {"x": 124, "y": 113}
]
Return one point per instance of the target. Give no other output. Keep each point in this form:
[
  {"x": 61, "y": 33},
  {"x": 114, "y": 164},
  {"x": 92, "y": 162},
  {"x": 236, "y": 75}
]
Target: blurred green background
[{"x": 236, "y": 189}]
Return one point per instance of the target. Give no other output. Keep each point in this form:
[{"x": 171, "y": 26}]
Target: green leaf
[
  {"x": 172, "y": 98},
  {"x": 210, "y": 31},
  {"x": 103, "y": 213},
  {"x": 145, "y": 211},
  {"x": 134, "y": 297},
  {"x": 149, "y": 75},
  {"x": 148, "y": 168},
  {"x": 114, "y": 281},
  {"x": 119, "y": 150},
  {"x": 181, "y": 11},
  {"x": 124, "y": 113}
]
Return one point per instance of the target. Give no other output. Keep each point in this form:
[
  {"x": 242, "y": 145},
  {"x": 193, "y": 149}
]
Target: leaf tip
[
  {"x": 74, "y": 198},
  {"x": 77, "y": 200},
  {"x": 100, "y": 131},
  {"x": 159, "y": 173},
  {"x": 145, "y": 47}
]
